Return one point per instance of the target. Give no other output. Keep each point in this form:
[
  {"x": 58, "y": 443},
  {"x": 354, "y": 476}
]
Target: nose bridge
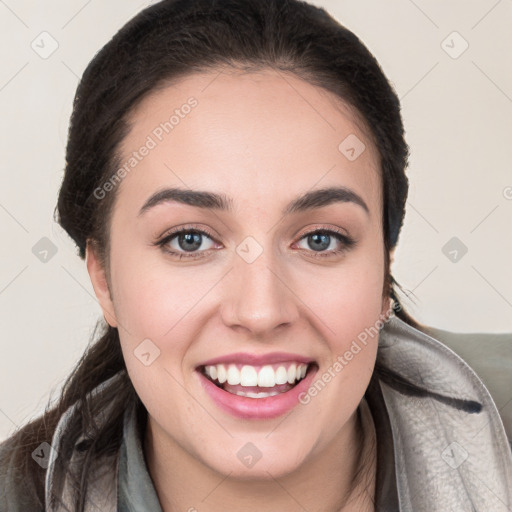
[{"x": 257, "y": 298}]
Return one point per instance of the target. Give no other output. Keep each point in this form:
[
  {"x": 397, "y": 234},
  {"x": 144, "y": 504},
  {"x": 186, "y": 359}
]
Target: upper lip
[{"x": 257, "y": 359}]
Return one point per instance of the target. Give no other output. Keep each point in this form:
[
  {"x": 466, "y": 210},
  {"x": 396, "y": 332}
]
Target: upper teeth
[{"x": 266, "y": 376}]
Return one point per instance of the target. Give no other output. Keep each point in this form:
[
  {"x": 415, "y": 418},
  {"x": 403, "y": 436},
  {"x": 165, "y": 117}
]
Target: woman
[{"x": 235, "y": 181}]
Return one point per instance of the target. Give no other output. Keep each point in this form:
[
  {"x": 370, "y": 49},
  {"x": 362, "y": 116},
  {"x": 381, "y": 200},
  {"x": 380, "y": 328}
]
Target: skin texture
[{"x": 262, "y": 139}]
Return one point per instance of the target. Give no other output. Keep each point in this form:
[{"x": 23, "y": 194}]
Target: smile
[
  {"x": 258, "y": 390},
  {"x": 247, "y": 380}
]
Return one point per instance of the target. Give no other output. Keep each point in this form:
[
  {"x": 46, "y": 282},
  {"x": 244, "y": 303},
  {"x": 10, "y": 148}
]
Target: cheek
[
  {"x": 348, "y": 305},
  {"x": 351, "y": 319},
  {"x": 349, "y": 298},
  {"x": 158, "y": 301},
  {"x": 152, "y": 296},
  {"x": 154, "y": 306}
]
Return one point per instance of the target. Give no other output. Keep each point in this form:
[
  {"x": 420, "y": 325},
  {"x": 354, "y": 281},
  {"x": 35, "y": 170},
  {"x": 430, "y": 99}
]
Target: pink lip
[
  {"x": 257, "y": 360},
  {"x": 257, "y": 408}
]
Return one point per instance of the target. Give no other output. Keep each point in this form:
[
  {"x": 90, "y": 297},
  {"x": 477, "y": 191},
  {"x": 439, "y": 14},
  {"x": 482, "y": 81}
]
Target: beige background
[{"x": 457, "y": 113}]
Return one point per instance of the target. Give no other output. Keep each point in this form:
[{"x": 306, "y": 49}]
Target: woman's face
[{"x": 254, "y": 282}]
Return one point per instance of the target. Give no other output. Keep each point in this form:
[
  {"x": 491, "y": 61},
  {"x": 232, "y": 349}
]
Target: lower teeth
[{"x": 261, "y": 394}]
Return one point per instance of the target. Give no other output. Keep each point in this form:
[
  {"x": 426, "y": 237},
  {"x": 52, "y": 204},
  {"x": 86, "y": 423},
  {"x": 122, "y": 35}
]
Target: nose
[{"x": 258, "y": 296}]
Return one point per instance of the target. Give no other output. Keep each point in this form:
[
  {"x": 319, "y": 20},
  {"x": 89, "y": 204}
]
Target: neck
[
  {"x": 182, "y": 482},
  {"x": 361, "y": 499}
]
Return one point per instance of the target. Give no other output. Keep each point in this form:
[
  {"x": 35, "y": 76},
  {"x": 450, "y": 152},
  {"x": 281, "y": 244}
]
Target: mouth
[
  {"x": 257, "y": 381},
  {"x": 257, "y": 391}
]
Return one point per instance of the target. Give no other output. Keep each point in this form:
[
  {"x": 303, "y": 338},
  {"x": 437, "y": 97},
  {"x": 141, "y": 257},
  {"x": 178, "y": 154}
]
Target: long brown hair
[{"x": 164, "y": 42}]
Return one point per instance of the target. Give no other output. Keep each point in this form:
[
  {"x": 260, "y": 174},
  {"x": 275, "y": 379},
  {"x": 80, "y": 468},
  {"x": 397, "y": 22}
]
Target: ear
[
  {"x": 392, "y": 256},
  {"x": 100, "y": 284},
  {"x": 386, "y": 307},
  {"x": 386, "y": 299}
]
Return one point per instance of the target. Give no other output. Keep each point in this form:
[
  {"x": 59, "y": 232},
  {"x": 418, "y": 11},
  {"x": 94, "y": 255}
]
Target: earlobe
[
  {"x": 100, "y": 284},
  {"x": 386, "y": 307}
]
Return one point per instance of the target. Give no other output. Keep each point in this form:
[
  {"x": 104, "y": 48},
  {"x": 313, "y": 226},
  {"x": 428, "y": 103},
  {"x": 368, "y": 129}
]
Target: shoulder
[
  {"x": 14, "y": 495},
  {"x": 490, "y": 356}
]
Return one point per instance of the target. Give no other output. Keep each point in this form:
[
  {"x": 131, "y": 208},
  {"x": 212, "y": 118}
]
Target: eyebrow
[{"x": 211, "y": 200}]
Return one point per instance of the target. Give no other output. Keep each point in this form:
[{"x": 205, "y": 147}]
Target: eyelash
[{"x": 346, "y": 241}]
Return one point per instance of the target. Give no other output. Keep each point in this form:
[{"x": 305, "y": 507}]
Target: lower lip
[{"x": 257, "y": 408}]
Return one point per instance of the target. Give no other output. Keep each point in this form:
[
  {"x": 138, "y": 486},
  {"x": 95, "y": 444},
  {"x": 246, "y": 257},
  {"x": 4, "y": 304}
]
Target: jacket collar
[
  {"x": 102, "y": 476},
  {"x": 448, "y": 456}
]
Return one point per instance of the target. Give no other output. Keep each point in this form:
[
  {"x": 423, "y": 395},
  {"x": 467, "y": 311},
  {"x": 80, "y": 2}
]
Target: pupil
[
  {"x": 316, "y": 238},
  {"x": 193, "y": 238}
]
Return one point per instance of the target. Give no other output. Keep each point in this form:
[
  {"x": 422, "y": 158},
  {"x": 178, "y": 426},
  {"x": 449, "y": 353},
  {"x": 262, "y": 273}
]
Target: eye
[
  {"x": 320, "y": 240},
  {"x": 185, "y": 242}
]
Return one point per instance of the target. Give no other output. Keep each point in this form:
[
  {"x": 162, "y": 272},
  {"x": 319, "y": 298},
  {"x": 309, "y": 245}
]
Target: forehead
[{"x": 250, "y": 135}]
